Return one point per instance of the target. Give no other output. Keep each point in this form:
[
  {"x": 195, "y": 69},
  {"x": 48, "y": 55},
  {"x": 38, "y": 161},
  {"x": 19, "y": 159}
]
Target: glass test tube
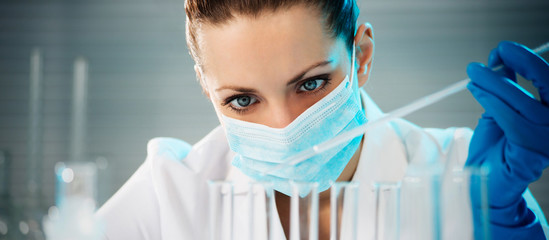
[
  {"x": 420, "y": 205},
  {"x": 261, "y": 209},
  {"x": 464, "y": 204},
  {"x": 241, "y": 210},
  {"x": 76, "y": 180},
  {"x": 444, "y": 205},
  {"x": 343, "y": 210},
  {"x": 221, "y": 210},
  {"x": 304, "y": 211},
  {"x": 478, "y": 177},
  {"x": 387, "y": 210}
]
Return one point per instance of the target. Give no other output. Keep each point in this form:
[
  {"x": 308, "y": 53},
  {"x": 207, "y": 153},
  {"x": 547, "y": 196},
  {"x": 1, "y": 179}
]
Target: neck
[{"x": 350, "y": 169}]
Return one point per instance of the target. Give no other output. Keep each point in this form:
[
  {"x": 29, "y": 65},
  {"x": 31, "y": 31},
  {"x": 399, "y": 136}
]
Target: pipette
[{"x": 397, "y": 113}]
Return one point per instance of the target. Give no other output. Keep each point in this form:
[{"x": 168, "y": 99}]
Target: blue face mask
[{"x": 260, "y": 148}]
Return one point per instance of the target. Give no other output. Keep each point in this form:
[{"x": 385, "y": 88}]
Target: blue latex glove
[{"x": 512, "y": 137}]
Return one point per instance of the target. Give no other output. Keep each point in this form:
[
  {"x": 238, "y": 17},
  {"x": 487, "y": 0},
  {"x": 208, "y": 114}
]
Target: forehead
[{"x": 272, "y": 44}]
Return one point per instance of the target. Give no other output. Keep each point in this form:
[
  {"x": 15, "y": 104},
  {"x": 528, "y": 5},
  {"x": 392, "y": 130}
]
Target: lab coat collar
[{"x": 383, "y": 155}]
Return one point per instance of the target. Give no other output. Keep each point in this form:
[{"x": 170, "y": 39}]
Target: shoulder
[
  {"x": 173, "y": 176},
  {"x": 179, "y": 175},
  {"x": 209, "y": 158},
  {"x": 461, "y": 135},
  {"x": 213, "y": 146},
  {"x": 411, "y": 134},
  {"x": 443, "y": 144},
  {"x": 444, "y": 137}
]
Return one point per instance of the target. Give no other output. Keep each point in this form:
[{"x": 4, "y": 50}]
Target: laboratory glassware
[
  {"x": 387, "y": 210},
  {"x": 73, "y": 216},
  {"x": 304, "y": 211},
  {"x": 464, "y": 204},
  {"x": 343, "y": 210},
  {"x": 262, "y": 218},
  {"x": 444, "y": 203}
]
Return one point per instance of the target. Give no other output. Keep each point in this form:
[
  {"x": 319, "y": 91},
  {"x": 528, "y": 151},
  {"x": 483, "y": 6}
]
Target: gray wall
[{"x": 142, "y": 84}]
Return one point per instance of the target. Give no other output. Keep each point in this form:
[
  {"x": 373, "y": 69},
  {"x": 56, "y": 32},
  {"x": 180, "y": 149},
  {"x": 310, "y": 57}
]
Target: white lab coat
[{"x": 167, "y": 197}]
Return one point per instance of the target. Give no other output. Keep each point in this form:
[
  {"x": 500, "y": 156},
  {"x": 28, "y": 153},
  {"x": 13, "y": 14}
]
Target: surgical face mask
[{"x": 259, "y": 147}]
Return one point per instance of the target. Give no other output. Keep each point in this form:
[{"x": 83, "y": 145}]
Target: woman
[{"x": 286, "y": 75}]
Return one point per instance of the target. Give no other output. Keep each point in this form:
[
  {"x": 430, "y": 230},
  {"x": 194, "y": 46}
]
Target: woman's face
[{"x": 270, "y": 69}]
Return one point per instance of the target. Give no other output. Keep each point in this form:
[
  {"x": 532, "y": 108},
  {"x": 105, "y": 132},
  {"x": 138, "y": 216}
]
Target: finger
[
  {"x": 486, "y": 133},
  {"x": 528, "y": 64},
  {"x": 507, "y": 91},
  {"x": 494, "y": 60},
  {"x": 516, "y": 127}
]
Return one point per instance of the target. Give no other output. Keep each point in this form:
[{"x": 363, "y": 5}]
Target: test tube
[
  {"x": 304, "y": 211},
  {"x": 478, "y": 177},
  {"x": 444, "y": 205},
  {"x": 261, "y": 207},
  {"x": 36, "y": 125},
  {"x": 343, "y": 210},
  {"x": 221, "y": 210},
  {"x": 464, "y": 205},
  {"x": 79, "y": 118},
  {"x": 76, "y": 180},
  {"x": 420, "y": 205},
  {"x": 387, "y": 210}
]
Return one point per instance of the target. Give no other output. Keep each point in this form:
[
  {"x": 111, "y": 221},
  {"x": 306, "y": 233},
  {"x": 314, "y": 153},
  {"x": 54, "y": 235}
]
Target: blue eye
[
  {"x": 242, "y": 102},
  {"x": 311, "y": 85}
]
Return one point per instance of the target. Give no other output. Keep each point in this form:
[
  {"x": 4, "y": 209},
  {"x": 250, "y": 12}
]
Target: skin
[{"x": 254, "y": 60}]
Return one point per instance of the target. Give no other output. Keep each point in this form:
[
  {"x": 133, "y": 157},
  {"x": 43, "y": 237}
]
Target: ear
[
  {"x": 201, "y": 80},
  {"x": 364, "y": 41}
]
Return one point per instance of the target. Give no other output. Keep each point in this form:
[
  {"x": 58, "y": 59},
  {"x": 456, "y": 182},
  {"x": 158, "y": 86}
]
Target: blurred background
[{"x": 134, "y": 81}]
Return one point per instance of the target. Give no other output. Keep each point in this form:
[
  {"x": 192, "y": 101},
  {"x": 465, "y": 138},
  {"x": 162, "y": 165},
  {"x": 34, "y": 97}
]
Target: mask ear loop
[{"x": 352, "y": 75}]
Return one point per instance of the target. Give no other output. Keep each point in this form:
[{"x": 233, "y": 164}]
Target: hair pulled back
[{"x": 339, "y": 16}]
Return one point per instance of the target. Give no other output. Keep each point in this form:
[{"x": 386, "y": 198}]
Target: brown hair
[{"x": 339, "y": 15}]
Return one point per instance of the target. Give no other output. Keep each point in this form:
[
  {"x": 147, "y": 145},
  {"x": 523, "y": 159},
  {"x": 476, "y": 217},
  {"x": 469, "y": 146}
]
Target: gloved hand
[{"x": 512, "y": 137}]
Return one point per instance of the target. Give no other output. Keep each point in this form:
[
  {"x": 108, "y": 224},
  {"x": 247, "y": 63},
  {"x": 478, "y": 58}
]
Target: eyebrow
[
  {"x": 295, "y": 79},
  {"x": 300, "y": 75}
]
